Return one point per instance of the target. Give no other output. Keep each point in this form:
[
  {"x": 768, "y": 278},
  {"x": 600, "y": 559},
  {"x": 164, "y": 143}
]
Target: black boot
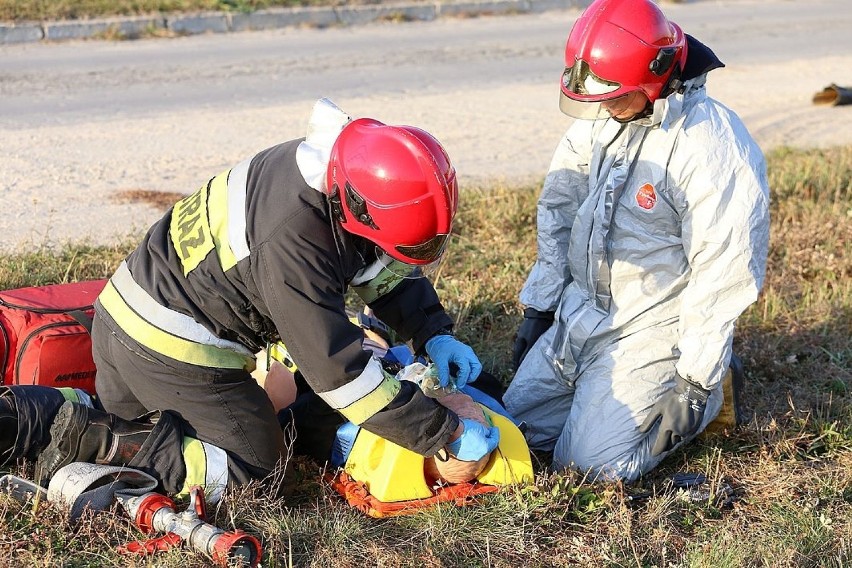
[
  {"x": 83, "y": 434},
  {"x": 26, "y": 413}
]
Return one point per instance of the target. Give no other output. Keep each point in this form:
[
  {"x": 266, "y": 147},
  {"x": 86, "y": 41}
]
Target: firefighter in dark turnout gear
[{"x": 262, "y": 257}]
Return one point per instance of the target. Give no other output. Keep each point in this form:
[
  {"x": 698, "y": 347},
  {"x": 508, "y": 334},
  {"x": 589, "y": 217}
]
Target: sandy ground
[{"x": 60, "y": 174}]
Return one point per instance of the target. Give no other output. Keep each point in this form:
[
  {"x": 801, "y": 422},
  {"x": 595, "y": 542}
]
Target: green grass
[
  {"x": 22, "y": 10},
  {"x": 791, "y": 465}
]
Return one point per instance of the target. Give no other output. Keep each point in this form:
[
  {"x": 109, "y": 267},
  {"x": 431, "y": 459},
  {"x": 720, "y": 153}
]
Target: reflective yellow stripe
[
  {"x": 207, "y": 466},
  {"x": 76, "y": 395},
  {"x": 189, "y": 230},
  {"x": 359, "y": 411},
  {"x": 69, "y": 394},
  {"x": 166, "y": 344},
  {"x": 161, "y": 317},
  {"x": 278, "y": 351},
  {"x": 196, "y": 465},
  {"x": 359, "y": 387},
  {"x": 218, "y": 210}
]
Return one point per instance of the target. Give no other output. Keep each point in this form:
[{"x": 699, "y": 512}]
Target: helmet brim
[{"x": 592, "y": 110}]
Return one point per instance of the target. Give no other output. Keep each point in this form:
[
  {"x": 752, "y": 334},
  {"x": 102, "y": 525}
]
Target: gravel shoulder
[{"x": 84, "y": 123}]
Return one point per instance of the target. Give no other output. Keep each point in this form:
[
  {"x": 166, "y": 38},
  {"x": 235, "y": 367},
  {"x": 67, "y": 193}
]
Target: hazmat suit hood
[
  {"x": 700, "y": 60},
  {"x": 314, "y": 153}
]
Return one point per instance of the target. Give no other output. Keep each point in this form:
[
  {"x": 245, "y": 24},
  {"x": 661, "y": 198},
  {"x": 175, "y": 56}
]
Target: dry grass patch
[{"x": 789, "y": 468}]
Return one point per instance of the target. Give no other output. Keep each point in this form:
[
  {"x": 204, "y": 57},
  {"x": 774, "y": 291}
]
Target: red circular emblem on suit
[{"x": 646, "y": 197}]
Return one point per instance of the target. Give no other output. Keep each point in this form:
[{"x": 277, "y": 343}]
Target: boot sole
[{"x": 53, "y": 457}]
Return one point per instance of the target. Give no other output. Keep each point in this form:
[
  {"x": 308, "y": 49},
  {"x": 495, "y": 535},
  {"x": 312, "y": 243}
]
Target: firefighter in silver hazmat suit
[{"x": 652, "y": 239}]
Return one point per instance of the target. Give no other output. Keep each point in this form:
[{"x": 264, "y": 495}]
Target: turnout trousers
[{"x": 223, "y": 409}]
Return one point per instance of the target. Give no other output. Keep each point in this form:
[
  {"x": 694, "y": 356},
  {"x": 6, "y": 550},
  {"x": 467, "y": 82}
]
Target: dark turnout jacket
[{"x": 255, "y": 257}]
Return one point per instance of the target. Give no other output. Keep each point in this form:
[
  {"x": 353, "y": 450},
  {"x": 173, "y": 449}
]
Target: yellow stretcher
[{"x": 383, "y": 479}]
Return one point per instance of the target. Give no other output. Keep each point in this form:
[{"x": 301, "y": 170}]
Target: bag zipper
[
  {"x": 6, "y": 346},
  {"x": 23, "y": 345},
  {"x": 45, "y": 310}
]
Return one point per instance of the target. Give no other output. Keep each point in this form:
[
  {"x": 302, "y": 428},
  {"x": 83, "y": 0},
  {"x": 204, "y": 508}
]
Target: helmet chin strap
[
  {"x": 673, "y": 85},
  {"x": 645, "y": 113},
  {"x": 336, "y": 205}
]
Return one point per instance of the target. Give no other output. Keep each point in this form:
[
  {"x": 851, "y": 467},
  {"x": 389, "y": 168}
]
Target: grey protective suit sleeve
[
  {"x": 724, "y": 207},
  {"x": 565, "y": 188}
]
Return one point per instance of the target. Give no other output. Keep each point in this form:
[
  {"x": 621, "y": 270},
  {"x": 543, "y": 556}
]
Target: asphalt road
[{"x": 83, "y": 121}]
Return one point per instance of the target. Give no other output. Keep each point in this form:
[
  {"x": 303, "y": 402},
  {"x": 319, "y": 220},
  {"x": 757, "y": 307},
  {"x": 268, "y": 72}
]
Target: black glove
[
  {"x": 680, "y": 412},
  {"x": 535, "y": 323}
]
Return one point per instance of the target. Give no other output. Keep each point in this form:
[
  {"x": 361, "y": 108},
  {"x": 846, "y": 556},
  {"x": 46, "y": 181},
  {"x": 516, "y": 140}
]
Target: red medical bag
[{"x": 45, "y": 335}]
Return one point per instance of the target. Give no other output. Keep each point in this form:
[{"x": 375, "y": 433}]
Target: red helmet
[
  {"x": 615, "y": 48},
  {"x": 396, "y": 188}
]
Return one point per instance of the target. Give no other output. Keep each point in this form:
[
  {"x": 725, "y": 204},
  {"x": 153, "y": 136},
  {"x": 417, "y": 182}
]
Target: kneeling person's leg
[
  {"x": 26, "y": 414},
  {"x": 614, "y": 394},
  {"x": 151, "y": 443},
  {"x": 540, "y": 396},
  {"x": 222, "y": 425}
]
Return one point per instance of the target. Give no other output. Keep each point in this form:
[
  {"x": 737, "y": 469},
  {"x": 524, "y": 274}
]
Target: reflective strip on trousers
[
  {"x": 367, "y": 394},
  {"x": 76, "y": 395},
  {"x": 206, "y": 466},
  {"x": 165, "y": 331}
]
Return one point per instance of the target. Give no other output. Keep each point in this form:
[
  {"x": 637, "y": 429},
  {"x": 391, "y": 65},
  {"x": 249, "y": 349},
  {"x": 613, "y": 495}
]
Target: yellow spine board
[
  {"x": 392, "y": 473},
  {"x": 511, "y": 462}
]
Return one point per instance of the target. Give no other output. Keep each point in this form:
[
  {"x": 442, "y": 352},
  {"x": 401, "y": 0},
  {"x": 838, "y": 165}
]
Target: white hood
[{"x": 312, "y": 155}]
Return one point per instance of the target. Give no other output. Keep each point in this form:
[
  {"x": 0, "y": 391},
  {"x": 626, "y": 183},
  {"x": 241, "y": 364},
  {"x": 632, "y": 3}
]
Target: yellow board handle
[{"x": 511, "y": 462}]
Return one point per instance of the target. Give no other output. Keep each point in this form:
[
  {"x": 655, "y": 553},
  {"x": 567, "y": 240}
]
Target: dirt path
[{"x": 84, "y": 123}]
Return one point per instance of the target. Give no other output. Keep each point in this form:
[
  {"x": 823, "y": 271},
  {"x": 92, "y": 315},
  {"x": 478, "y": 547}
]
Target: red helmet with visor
[
  {"x": 396, "y": 187},
  {"x": 616, "y": 48}
]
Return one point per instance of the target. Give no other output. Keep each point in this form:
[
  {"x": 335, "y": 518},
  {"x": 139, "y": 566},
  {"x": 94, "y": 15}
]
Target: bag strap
[{"x": 82, "y": 318}]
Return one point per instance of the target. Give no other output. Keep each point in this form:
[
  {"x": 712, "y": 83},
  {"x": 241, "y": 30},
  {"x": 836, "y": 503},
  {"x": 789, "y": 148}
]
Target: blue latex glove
[
  {"x": 343, "y": 443},
  {"x": 476, "y": 441},
  {"x": 446, "y": 349}
]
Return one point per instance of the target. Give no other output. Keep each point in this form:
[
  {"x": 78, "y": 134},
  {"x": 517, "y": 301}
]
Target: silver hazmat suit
[{"x": 652, "y": 240}]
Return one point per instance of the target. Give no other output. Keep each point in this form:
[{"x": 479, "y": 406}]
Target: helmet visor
[
  {"x": 586, "y": 95},
  {"x": 618, "y": 108},
  {"x": 407, "y": 271},
  {"x": 427, "y": 252}
]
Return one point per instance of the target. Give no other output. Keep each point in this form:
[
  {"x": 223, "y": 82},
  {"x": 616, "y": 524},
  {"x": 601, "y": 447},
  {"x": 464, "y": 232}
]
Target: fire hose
[{"x": 82, "y": 486}]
